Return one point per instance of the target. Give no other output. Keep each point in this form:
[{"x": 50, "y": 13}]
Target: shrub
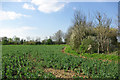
[{"x": 88, "y": 45}]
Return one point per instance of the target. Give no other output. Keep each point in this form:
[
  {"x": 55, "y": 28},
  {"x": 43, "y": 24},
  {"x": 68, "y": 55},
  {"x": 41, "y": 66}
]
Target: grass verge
[{"x": 94, "y": 55}]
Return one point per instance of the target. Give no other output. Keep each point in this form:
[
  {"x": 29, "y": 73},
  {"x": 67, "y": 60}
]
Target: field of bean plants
[{"x": 29, "y": 61}]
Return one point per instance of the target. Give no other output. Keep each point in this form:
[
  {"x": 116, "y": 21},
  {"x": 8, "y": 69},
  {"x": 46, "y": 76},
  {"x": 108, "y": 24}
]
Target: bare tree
[
  {"x": 58, "y": 36},
  {"x": 78, "y": 30},
  {"x": 16, "y": 39},
  {"x": 28, "y": 38},
  {"x": 68, "y": 34},
  {"x": 38, "y": 39},
  {"x": 103, "y": 31}
]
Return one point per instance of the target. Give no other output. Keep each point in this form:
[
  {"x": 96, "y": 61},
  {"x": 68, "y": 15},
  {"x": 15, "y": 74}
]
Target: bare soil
[{"x": 63, "y": 74}]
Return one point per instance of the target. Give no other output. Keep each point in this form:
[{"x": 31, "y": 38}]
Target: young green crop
[{"x": 28, "y": 61}]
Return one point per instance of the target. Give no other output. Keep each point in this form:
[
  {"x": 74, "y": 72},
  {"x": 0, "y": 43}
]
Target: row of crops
[
  {"x": 29, "y": 61},
  {"x": 16, "y": 64}
]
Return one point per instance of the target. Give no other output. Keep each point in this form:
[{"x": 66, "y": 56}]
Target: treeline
[
  {"x": 57, "y": 38},
  {"x": 84, "y": 36},
  {"x": 92, "y": 36}
]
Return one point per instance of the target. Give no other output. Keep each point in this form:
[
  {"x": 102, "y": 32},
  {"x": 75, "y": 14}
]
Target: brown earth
[
  {"x": 60, "y": 73},
  {"x": 63, "y": 74}
]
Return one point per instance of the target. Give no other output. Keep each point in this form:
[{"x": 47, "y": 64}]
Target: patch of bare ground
[
  {"x": 63, "y": 50},
  {"x": 63, "y": 74},
  {"x": 59, "y": 73}
]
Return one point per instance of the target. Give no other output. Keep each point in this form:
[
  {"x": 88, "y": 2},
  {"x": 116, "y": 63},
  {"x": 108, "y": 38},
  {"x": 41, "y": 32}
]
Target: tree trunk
[
  {"x": 102, "y": 47},
  {"x": 98, "y": 48},
  {"x": 107, "y": 46}
]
